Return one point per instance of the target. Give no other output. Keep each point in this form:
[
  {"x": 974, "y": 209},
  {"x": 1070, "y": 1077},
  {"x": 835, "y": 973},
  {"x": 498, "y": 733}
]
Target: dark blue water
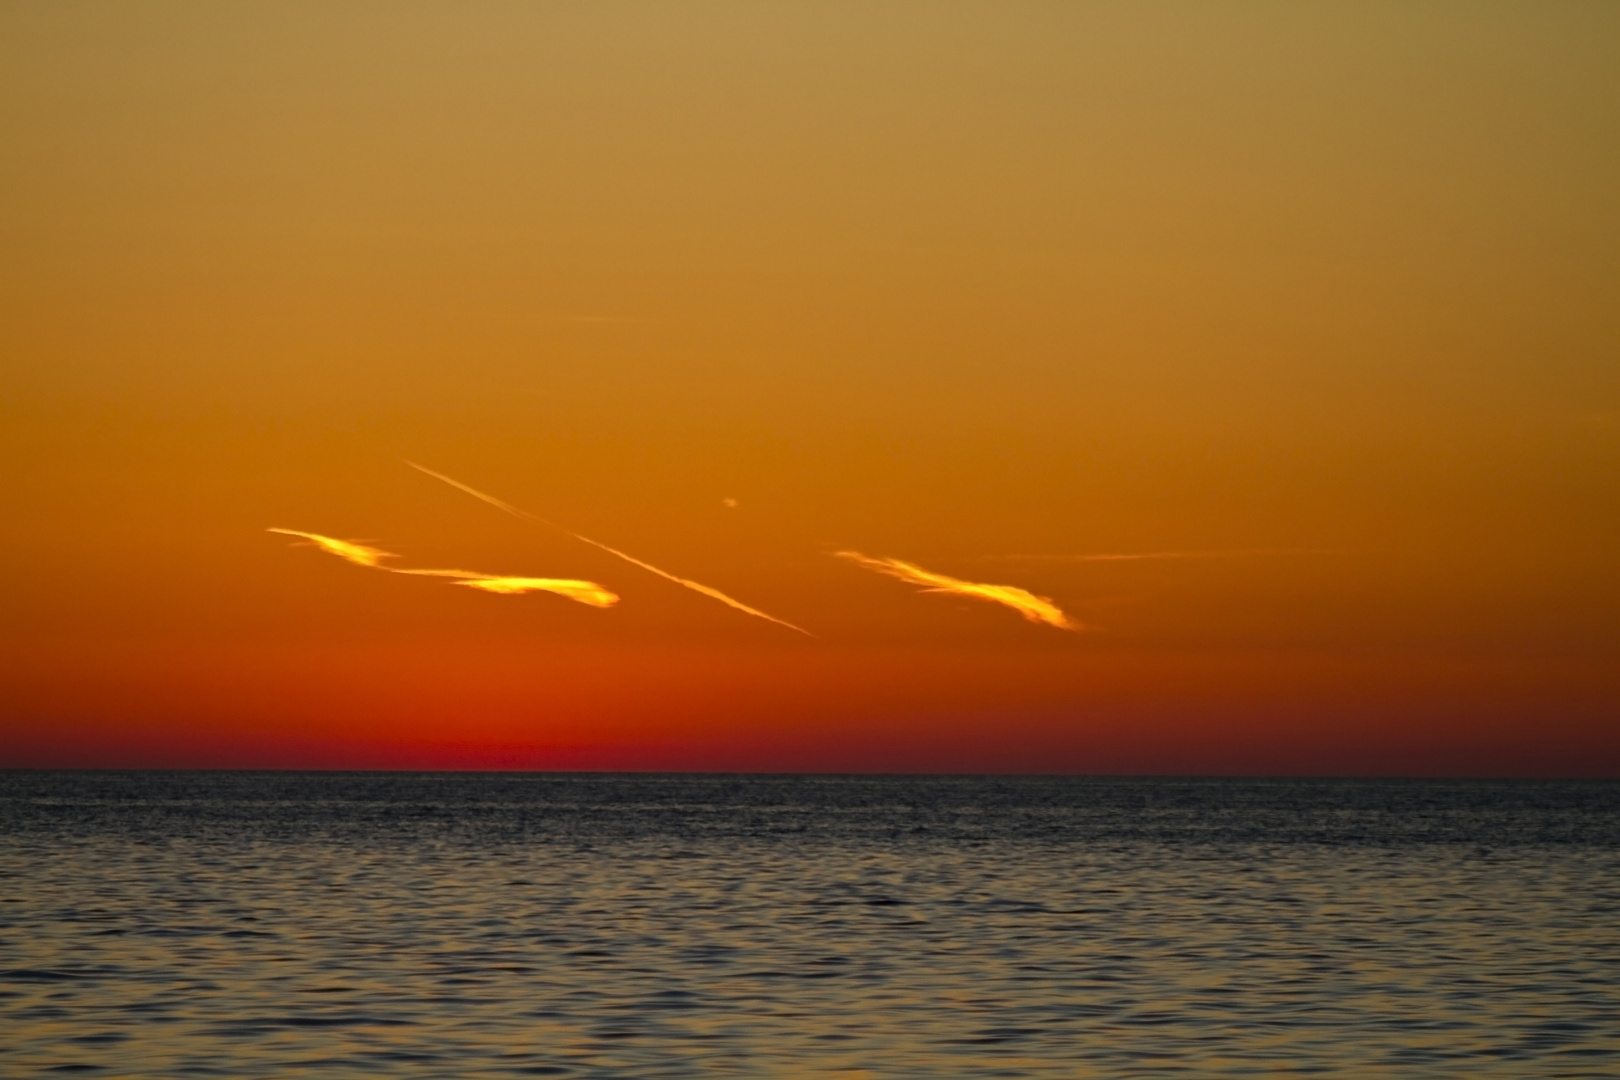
[{"x": 469, "y": 925}]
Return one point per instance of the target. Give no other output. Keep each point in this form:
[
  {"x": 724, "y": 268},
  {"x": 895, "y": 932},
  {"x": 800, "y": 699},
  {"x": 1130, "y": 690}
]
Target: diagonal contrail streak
[{"x": 695, "y": 586}]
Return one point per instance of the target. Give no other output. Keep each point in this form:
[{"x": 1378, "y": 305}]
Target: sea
[{"x": 455, "y": 925}]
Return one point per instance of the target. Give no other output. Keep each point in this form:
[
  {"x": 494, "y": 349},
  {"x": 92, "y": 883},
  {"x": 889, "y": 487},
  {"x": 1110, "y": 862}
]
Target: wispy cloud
[
  {"x": 1034, "y": 608},
  {"x": 1239, "y": 553},
  {"x": 714, "y": 594},
  {"x": 359, "y": 554},
  {"x": 585, "y": 592}
]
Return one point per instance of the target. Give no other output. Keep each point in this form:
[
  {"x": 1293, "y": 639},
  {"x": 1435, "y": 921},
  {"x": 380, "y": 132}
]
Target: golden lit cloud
[
  {"x": 1032, "y": 607},
  {"x": 714, "y": 594},
  {"x": 585, "y": 592},
  {"x": 359, "y": 554}
]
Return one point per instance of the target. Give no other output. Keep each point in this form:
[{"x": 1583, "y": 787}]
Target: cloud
[
  {"x": 585, "y": 592},
  {"x": 359, "y": 554},
  {"x": 1239, "y": 553},
  {"x": 1034, "y": 608},
  {"x": 714, "y": 594}
]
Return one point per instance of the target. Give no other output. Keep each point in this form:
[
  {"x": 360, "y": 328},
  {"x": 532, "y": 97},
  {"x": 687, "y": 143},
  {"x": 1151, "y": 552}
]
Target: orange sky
[{"x": 1321, "y": 299}]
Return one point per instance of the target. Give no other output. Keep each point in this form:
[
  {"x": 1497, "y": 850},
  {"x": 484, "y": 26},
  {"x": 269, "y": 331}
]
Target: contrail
[
  {"x": 585, "y": 592},
  {"x": 1032, "y": 607},
  {"x": 695, "y": 586}
]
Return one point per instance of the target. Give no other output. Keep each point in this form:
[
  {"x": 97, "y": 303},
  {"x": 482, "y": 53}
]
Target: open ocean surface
[{"x": 482, "y": 925}]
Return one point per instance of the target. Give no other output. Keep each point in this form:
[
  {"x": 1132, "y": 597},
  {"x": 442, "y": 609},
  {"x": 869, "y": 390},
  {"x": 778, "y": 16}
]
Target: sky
[{"x": 1263, "y": 355}]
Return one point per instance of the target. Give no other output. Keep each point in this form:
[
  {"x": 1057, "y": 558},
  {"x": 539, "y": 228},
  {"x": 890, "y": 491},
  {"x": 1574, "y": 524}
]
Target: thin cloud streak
[
  {"x": 1038, "y": 609},
  {"x": 584, "y": 592},
  {"x": 1126, "y": 556},
  {"x": 359, "y": 554},
  {"x": 695, "y": 586}
]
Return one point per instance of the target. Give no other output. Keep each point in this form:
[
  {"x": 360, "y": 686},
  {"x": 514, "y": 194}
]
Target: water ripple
[{"x": 172, "y": 925}]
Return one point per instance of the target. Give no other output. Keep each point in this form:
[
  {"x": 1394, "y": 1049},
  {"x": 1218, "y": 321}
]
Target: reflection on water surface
[{"x": 244, "y": 925}]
